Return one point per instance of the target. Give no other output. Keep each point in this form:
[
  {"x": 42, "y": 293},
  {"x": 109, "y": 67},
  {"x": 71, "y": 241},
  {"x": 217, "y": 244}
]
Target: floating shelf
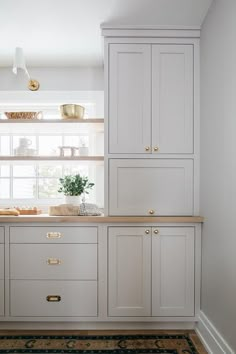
[
  {"x": 89, "y": 120},
  {"x": 51, "y": 158}
]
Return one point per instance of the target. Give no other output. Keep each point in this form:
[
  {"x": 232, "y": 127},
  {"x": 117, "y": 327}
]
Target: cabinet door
[
  {"x": 173, "y": 271},
  {"x": 129, "y": 98},
  {"x": 1, "y": 297},
  {"x": 172, "y": 98},
  {"x": 144, "y": 186},
  {"x": 129, "y": 271},
  {"x": 1, "y": 261}
]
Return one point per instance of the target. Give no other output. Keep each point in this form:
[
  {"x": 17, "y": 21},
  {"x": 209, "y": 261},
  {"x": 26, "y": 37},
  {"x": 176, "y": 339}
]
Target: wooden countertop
[{"x": 44, "y": 218}]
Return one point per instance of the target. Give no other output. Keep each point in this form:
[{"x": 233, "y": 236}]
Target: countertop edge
[{"x": 44, "y": 218}]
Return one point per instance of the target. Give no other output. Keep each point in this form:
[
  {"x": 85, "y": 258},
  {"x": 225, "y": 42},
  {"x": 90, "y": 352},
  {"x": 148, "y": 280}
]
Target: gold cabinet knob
[
  {"x": 151, "y": 211},
  {"x": 156, "y": 148},
  {"x": 156, "y": 232},
  {"x": 147, "y": 232},
  {"x": 147, "y": 148}
]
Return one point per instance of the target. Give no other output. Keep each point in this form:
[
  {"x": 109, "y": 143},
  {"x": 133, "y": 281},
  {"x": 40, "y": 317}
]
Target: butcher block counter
[{"x": 99, "y": 219}]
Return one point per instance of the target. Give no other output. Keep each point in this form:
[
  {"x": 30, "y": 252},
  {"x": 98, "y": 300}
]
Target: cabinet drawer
[
  {"x": 71, "y": 298},
  {"x": 151, "y": 187},
  {"x": 31, "y": 261},
  {"x": 1, "y": 261},
  {"x": 53, "y": 234},
  {"x": 1, "y": 297},
  {"x": 1, "y": 234}
]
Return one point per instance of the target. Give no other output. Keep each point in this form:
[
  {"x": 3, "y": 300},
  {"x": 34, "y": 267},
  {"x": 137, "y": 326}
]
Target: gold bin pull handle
[
  {"x": 54, "y": 235},
  {"x": 53, "y": 298},
  {"x": 53, "y": 261}
]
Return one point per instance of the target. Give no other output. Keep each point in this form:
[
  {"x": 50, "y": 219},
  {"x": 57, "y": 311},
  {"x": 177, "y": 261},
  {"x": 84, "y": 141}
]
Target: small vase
[{"x": 72, "y": 199}]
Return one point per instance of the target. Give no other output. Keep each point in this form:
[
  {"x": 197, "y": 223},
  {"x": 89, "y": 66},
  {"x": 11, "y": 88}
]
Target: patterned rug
[{"x": 121, "y": 344}]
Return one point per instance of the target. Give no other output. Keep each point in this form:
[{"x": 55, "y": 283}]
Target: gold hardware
[
  {"x": 147, "y": 232},
  {"x": 33, "y": 85},
  {"x": 53, "y": 261},
  {"x": 54, "y": 235},
  {"x": 155, "y": 148},
  {"x": 156, "y": 232},
  {"x": 151, "y": 212},
  {"x": 53, "y": 298},
  {"x": 147, "y": 148}
]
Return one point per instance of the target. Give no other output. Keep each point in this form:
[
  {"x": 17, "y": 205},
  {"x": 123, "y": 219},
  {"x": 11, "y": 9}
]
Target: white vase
[{"x": 72, "y": 199}]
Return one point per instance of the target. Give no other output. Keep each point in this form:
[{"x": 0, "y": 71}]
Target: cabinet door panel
[
  {"x": 129, "y": 98},
  {"x": 140, "y": 185},
  {"x": 1, "y": 297},
  {"x": 1, "y": 261},
  {"x": 173, "y": 272},
  {"x": 1, "y": 235},
  {"x": 172, "y": 98},
  {"x": 129, "y": 272}
]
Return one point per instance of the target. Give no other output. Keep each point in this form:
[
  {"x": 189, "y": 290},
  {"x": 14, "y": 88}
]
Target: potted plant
[{"x": 72, "y": 186}]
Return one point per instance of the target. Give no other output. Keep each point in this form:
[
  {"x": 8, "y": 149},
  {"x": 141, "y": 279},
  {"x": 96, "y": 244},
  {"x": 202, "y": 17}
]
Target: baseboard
[
  {"x": 210, "y": 337},
  {"x": 96, "y": 325}
]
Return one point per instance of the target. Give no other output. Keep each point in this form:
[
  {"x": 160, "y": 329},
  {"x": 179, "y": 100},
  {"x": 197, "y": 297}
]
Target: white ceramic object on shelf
[{"x": 72, "y": 199}]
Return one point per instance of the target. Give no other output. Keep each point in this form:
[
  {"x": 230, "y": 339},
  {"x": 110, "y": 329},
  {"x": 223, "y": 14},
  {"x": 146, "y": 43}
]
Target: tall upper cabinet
[
  {"x": 150, "y": 98},
  {"x": 152, "y": 112}
]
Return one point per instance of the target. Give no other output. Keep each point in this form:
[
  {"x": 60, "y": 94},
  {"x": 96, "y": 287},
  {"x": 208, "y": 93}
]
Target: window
[{"x": 31, "y": 159}]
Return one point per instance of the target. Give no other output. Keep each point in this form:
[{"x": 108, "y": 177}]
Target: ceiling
[{"x": 67, "y": 32}]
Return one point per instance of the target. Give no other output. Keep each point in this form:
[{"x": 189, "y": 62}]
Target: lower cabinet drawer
[
  {"x": 53, "y": 234},
  {"x": 1, "y": 297},
  {"x": 53, "y": 298},
  {"x": 62, "y": 262},
  {"x": 1, "y": 262}
]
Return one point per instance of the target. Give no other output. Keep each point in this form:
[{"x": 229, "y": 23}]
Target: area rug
[{"x": 120, "y": 344}]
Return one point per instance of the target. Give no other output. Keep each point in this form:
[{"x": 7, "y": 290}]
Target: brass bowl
[
  {"x": 23, "y": 115},
  {"x": 72, "y": 111}
]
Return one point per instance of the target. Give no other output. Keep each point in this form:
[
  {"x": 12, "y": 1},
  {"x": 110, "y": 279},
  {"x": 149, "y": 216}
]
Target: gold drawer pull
[
  {"x": 156, "y": 232},
  {"x": 151, "y": 212},
  {"x": 156, "y": 148},
  {"x": 54, "y": 235},
  {"x": 53, "y": 298},
  {"x": 53, "y": 261},
  {"x": 147, "y": 232},
  {"x": 147, "y": 148}
]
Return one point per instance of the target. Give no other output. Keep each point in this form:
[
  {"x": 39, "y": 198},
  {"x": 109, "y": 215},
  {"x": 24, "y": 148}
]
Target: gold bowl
[
  {"x": 71, "y": 111},
  {"x": 23, "y": 115}
]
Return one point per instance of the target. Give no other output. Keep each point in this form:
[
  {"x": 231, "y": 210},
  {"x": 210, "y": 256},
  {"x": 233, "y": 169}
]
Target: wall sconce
[{"x": 19, "y": 63}]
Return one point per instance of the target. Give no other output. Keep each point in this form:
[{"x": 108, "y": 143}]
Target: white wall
[
  {"x": 218, "y": 167},
  {"x": 57, "y": 79}
]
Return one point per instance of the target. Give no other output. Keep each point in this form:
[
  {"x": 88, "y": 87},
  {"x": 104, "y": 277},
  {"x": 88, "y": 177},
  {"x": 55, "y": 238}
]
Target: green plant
[{"x": 74, "y": 185}]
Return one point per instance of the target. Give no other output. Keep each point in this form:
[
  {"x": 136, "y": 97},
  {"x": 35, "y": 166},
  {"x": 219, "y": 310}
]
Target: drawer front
[
  {"x": 57, "y": 298},
  {"x": 53, "y": 234},
  {"x": 1, "y": 297},
  {"x": 151, "y": 187},
  {"x": 1, "y": 234},
  {"x": 31, "y": 261},
  {"x": 1, "y": 261}
]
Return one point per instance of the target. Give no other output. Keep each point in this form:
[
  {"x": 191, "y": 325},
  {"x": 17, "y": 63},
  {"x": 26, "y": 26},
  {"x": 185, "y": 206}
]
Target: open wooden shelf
[
  {"x": 51, "y": 158},
  {"x": 88, "y": 120}
]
